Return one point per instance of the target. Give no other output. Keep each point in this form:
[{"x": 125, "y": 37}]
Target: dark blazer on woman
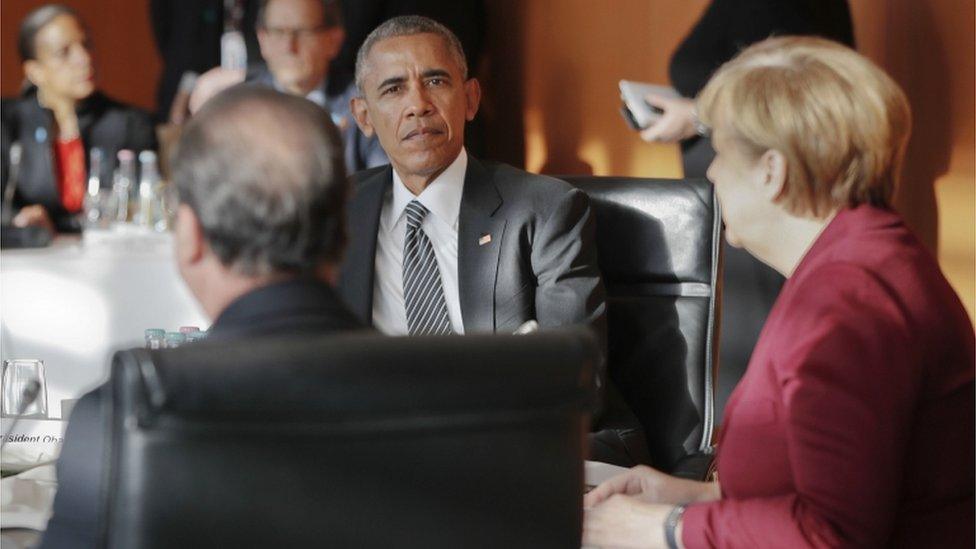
[
  {"x": 102, "y": 122},
  {"x": 853, "y": 426}
]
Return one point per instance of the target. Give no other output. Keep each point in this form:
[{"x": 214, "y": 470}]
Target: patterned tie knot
[{"x": 416, "y": 212}]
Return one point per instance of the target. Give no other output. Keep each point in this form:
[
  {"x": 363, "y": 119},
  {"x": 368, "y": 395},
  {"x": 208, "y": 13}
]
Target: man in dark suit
[
  {"x": 441, "y": 241},
  {"x": 259, "y": 232}
]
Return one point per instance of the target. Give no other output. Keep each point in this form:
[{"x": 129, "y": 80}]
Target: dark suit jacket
[
  {"x": 294, "y": 307},
  {"x": 540, "y": 264},
  {"x": 102, "y": 122}
]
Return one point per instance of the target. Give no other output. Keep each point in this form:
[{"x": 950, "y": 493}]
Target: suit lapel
[
  {"x": 479, "y": 241},
  {"x": 363, "y": 221}
]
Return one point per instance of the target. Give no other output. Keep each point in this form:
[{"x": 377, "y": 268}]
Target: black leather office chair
[
  {"x": 351, "y": 441},
  {"x": 659, "y": 244}
]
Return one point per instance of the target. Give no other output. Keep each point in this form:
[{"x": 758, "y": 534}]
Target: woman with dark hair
[{"x": 58, "y": 120}]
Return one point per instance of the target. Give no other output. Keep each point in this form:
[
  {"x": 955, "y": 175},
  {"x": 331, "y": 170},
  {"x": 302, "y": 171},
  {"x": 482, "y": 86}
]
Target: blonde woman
[{"x": 853, "y": 426}]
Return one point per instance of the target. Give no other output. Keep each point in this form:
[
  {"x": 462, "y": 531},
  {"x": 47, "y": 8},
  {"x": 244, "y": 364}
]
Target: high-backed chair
[
  {"x": 351, "y": 441},
  {"x": 659, "y": 245}
]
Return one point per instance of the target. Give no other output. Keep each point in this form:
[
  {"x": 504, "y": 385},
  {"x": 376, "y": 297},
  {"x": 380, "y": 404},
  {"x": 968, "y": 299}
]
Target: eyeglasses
[{"x": 299, "y": 33}]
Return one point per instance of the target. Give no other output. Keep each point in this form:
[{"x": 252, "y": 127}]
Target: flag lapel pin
[{"x": 485, "y": 239}]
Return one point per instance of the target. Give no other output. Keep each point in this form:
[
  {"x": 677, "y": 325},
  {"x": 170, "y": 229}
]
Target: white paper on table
[
  {"x": 26, "y": 499},
  {"x": 596, "y": 472}
]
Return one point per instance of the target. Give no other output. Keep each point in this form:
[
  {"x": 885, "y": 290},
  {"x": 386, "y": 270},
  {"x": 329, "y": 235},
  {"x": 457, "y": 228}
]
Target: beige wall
[
  {"x": 561, "y": 90},
  {"x": 551, "y": 102}
]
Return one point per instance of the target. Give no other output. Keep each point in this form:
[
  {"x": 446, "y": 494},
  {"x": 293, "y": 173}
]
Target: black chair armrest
[{"x": 698, "y": 466}]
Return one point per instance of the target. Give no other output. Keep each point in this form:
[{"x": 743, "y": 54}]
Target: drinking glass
[{"x": 17, "y": 376}]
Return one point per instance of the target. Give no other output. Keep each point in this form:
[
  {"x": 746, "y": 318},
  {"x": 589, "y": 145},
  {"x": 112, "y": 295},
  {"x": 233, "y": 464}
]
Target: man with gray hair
[
  {"x": 442, "y": 242},
  {"x": 259, "y": 231}
]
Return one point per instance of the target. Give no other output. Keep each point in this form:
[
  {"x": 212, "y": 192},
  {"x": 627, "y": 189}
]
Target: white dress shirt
[{"x": 443, "y": 198}]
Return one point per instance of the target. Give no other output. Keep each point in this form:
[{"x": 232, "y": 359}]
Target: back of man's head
[{"x": 263, "y": 173}]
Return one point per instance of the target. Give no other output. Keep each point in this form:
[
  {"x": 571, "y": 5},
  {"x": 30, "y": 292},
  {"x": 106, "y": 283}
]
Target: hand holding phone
[{"x": 637, "y": 112}]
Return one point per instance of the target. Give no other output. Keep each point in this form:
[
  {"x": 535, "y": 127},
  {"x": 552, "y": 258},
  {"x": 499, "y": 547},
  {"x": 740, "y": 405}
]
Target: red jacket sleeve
[{"x": 847, "y": 371}]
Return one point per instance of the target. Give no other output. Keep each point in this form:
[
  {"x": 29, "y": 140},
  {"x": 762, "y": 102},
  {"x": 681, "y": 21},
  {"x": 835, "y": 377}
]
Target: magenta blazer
[{"x": 854, "y": 424}]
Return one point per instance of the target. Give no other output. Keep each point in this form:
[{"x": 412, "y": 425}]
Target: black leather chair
[
  {"x": 351, "y": 441},
  {"x": 659, "y": 244}
]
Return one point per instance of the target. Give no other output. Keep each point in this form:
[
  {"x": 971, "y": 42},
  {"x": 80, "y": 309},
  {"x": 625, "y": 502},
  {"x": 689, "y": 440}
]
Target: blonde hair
[{"x": 839, "y": 120}]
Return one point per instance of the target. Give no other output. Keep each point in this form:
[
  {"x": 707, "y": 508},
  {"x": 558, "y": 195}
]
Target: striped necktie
[{"x": 422, "y": 290}]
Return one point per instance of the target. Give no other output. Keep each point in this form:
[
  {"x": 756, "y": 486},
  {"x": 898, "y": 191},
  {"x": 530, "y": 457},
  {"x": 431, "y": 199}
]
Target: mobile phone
[{"x": 637, "y": 112}]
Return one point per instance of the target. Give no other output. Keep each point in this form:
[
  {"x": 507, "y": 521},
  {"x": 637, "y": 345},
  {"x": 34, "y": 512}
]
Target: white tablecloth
[{"x": 74, "y": 303}]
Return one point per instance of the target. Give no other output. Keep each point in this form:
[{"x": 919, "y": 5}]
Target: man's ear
[
  {"x": 774, "y": 166},
  {"x": 472, "y": 90},
  {"x": 263, "y": 42},
  {"x": 361, "y": 113},
  {"x": 189, "y": 240}
]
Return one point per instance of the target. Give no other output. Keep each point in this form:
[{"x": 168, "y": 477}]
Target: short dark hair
[
  {"x": 331, "y": 14},
  {"x": 34, "y": 22},
  {"x": 263, "y": 171},
  {"x": 409, "y": 25}
]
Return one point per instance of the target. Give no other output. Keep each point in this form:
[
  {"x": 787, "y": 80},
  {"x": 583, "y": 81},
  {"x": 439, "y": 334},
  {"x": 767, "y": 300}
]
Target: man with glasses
[{"x": 298, "y": 40}]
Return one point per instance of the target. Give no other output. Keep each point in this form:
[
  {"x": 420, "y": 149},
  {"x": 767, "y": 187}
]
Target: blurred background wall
[{"x": 551, "y": 102}]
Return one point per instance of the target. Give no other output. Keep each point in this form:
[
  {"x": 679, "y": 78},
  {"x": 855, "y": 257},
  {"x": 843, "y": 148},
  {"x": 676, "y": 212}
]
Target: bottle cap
[
  {"x": 147, "y": 156},
  {"x": 188, "y": 329},
  {"x": 126, "y": 155},
  {"x": 155, "y": 333},
  {"x": 175, "y": 337}
]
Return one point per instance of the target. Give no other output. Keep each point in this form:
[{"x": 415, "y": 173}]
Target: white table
[
  {"x": 76, "y": 302},
  {"x": 26, "y": 499}
]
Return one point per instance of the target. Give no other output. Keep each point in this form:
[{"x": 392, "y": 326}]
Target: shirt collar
[
  {"x": 317, "y": 95},
  {"x": 442, "y": 197}
]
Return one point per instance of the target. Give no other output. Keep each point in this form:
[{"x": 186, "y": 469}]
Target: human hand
[
  {"x": 625, "y": 522},
  {"x": 653, "y": 486},
  {"x": 33, "y": 215},
  {"x": 676, "y": 124}
]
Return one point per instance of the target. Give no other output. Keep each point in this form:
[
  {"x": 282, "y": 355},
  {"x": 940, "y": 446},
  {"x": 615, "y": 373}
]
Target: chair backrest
[
  {"x": 659, "y": 246},
  {"x": 351, "y": 441}
]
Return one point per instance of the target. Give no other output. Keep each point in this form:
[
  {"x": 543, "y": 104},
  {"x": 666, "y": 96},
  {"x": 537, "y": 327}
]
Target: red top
[
  {"x": 70, "y": 159},
  {"x": 853, "y": 425}
]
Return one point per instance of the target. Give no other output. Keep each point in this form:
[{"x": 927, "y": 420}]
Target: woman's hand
[
  {"x": 653, "y": 486},
  {"x": 33, "y": 215},
  {"x": 676, "y": 124},
  {"x": 623, "y": 521}
]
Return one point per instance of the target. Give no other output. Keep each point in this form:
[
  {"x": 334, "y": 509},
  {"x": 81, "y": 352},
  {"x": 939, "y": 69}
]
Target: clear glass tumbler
[{"x": 17, "y": 377}]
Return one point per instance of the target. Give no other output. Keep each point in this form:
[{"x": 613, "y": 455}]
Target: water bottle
[
  {"x": 174, "y": 339},
  {"x": 195, "y": 336},
  {"x": 92, "y": 206},
  {"x": 122, "y": 184},
  {"x": 150, "y": 193},
  {"x": 155, "y": 338}
]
